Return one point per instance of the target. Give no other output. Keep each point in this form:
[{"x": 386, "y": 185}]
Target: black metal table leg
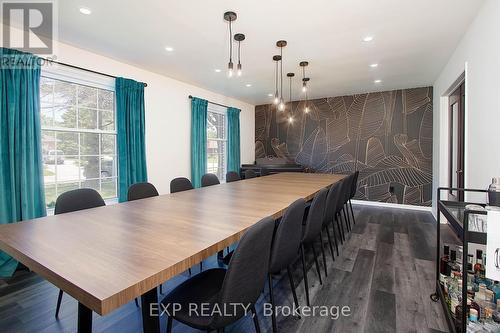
[
  {"x": 150, "y": 324},
  {"x": 84, "y": 319}
]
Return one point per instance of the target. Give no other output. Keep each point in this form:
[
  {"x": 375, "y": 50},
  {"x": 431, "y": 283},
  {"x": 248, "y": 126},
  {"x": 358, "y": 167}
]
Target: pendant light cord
[
  {"x": 276, "y": 78},
  {"x": 281, "y": 72},
  {"x": 230, "y": 42},
  {"x": 239, "y": 58}
]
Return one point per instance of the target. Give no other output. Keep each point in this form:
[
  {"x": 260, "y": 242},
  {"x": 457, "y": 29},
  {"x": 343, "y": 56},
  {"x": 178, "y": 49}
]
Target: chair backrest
[
  {"x": 180, "y": 184},
  {"x": 209, "y": 179},
  {"x": 79, "y": 199},
  {"x": 315, "y": 217},
  {"x": 141, "y": 191},
  {"x": 287, "y": 238},
  {"x": 247, "y": 271},
  {"x": 250, "y": 174},
  {"x": 232, "y": 176},
  {"x": 346, "y": 188},
  {"x": 354, "y": 185},
  {"x": 332, "y": 202}
]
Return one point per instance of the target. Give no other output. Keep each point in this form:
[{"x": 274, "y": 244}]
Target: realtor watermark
[
  {"x": 333, "y": 312},
  {"x": 31, "y": 27}
]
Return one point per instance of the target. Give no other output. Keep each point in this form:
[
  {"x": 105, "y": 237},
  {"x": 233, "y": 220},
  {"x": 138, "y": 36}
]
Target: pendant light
[
  {"x": 276, "y": 59},
  {"x": 281, "y": 44},
  {"x": 290, "y": 76},
  {"x": 305, "y": 79},
  {"x": 230, "y": 17},
  {"x": 239, "y": 38}
]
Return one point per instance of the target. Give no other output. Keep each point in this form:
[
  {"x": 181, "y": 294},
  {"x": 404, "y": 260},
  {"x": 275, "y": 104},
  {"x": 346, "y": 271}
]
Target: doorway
[{"x": 456, "y": 131}]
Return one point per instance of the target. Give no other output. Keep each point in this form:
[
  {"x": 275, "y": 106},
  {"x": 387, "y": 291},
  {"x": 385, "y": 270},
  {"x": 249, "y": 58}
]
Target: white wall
[
  {"x": 168, "y": 115},
  {"x": 478, "y": 54}
]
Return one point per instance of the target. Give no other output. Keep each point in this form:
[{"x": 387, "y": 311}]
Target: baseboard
[{"x": 392, "y": 205}]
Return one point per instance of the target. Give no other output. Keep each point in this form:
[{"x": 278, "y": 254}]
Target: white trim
[
  {"x": 78, "y": 76},
  {"x": 392, "y": 205}
]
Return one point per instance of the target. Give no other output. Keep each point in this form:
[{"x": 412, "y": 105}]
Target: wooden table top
[{"x": 105, "y": 257}]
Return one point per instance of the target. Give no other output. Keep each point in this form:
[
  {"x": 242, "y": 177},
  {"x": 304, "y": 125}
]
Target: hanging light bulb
[
  {"x": 281, "y": 44},
  {"x": 230, "y": 17},
  {"x": 281, "y": 106},
  {"x": 304, "y": 64},
  {"x": 290, "y": 119},
  {"x": 304, "y": 86},
  {"x": 239, "y": 38},
  {"x": 306, "y": 109},
  {"x": 276, "y": 59}
]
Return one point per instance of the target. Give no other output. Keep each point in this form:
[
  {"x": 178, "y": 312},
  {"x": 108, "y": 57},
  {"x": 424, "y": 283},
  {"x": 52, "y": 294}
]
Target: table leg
[
  {"x": 84, "y": 319},
  {"x": 150, "y": 324}
]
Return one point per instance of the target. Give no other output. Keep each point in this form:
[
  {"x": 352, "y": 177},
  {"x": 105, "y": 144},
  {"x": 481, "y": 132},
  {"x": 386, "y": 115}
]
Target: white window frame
[
  {"x": 215, "y": 108},
  {"x": 82, "y": 77}
]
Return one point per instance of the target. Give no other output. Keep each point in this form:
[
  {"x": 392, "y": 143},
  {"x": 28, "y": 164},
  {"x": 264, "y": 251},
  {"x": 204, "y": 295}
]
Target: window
[
  {"x": 217, "y": 140},
  {"x": 78, "y": 138}
]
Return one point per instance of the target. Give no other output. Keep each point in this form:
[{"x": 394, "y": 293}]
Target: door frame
[{"x": 457, "y": 97}]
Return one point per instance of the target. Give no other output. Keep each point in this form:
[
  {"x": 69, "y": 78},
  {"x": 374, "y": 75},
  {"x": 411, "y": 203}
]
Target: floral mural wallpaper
[{"x": 387, "y": 136}]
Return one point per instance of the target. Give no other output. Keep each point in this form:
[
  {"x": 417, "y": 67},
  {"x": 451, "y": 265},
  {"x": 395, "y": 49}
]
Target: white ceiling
[{"x": 412, "y": 40}]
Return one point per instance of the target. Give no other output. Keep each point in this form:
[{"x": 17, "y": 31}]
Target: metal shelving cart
[{"x": 457, "y": 217}]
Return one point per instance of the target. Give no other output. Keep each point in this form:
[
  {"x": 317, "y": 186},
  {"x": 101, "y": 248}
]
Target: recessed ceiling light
[
  {"x": 373, "y": 65},
  {"x": 377, "y": 81},
  {"x": 169, "y": 48},
  {"x": 217, "y": 70},
  {"x": 248, "y": 85},
  {"x": 270, "y": 95},
  {"x": 85, "y": 10},
  {"x": 368, "y": 39}
]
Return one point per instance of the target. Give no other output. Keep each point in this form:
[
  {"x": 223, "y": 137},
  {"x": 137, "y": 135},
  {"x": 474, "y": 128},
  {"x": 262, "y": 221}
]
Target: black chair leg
[
  {"x": 136, "y": 302},
  {"x": 339, "y": 228},
  {"x": 59, "y": 299},
  {"x": 292, "y": 286},
  {"x": 317, "y": 263},
  {"x": 201, "y": 266},
  {"x": 335, "y": 237},
  {"x": 304, "y": 270},
  {"x": 189, "y": 270},
  {"x": 347, "y": 219},
  {"x": 169, "y": 324},
  {"x": 323, "y": 253},
  {"x": 255, "y": 320},
  {"x": 341, "y": 224},
  {"x": 330, "y": 242},
  {"x": 352, "y": 212},
  {"x": 271, "y": 297},
  {"x": 161, "y": 288}
]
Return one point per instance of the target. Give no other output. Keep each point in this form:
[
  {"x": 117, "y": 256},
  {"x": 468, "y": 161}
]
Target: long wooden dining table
[{"x": 105, "y": 257}]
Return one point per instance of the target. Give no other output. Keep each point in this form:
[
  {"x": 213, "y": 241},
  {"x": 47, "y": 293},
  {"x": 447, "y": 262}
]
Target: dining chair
[
  {"x": 354, "y": 188},
  {"x": 232, "y": 176},
  {"x": 330, "y": 218},
  {"x": 286, "y": 245},
  {"x": 209, "y": 179},
  {"x": 139, "y": 191},
  {"x": 241, "y": 283},
  {"x": 250, "y": 174},
  {"x": 311, "y": 231},
  {"x": 180, "y": 184},
  {"x": 72, "y": 201}
]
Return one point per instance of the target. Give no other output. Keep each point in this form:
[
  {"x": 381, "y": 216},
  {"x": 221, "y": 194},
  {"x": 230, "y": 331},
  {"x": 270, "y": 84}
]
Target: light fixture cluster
[
  {"x": 230, "y": 17},
  {"x": 278, "y": 99}
]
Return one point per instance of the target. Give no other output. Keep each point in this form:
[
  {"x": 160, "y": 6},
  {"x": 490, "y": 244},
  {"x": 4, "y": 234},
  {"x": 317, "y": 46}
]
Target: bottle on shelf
[
  {"x": 452, "y": 263},
  {"x": 479, "y": 266},
  {"x": 443, "y": 266}
]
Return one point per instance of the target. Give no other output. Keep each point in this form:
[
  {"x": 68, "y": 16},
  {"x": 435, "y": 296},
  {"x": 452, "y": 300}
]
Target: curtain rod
[
  {"x": 86, "y": 69},
  {"x": 224, "y": 106}
]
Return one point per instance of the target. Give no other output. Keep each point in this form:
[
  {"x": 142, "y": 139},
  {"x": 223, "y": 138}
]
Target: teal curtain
[
  {"x": 233, "y": 140},
  {"x": 130, "y": 129},
  {"x": 198, "y": 140},
  {"x": 21, "y": 171}
]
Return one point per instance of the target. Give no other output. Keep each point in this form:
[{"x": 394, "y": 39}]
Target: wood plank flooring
[{"x": 384, "y": 274}]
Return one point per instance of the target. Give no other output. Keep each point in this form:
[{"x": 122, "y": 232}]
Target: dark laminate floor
[{"x": 384, "y": 274}]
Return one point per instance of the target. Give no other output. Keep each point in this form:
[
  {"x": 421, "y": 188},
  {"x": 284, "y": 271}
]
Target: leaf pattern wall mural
[{"x": 387, "y": 136}]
